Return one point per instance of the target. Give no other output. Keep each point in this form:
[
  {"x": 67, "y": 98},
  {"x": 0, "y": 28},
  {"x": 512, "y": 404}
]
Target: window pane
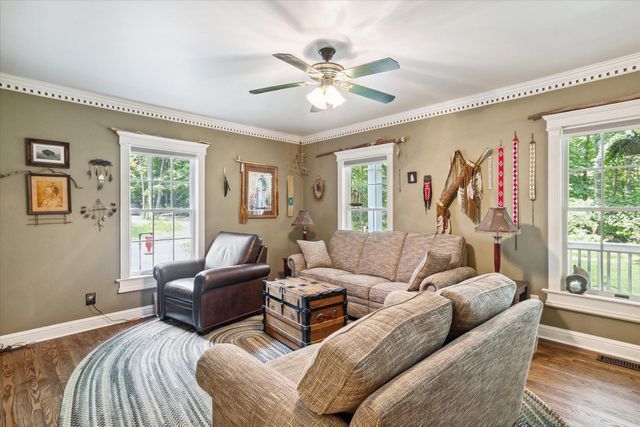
[
  {"x": 622, "y": 187},
  {"x": 183, "y": 224},
  {"x": 621, "y": 243},
  {"x": 141, "y": 225},
  {"x": 163, "y": 251},
  {"x": 359, "y": 181},
  {"x": 138, "y": 166},
  {"x": 163, "y": 225},
  {"x": 583, "y": 226},
  {"x": 622, "y": 148},
  {"x": 182, "y": 196},
  {"x": 622, "y": 227},
  {"x": 181, "y": 170},
  {"x": 183, "y": 249},
  {"x": 161, "y": 168},
  {"x": 161, "y": 195},
  {"x": 139, "y": 194},
  {"x": 359, "y": 220},
  {"x": 584, "y": 151},
  {"x": 584, "y": 189},
  {"x": 141, "y": 257}
]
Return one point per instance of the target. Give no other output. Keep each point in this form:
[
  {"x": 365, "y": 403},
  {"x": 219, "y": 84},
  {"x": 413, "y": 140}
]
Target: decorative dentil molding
[
  {"x": 63, "y": 93},
  {"x": 600, "y": 71}
]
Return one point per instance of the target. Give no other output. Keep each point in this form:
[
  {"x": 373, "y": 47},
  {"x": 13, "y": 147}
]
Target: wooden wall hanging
[
  {"x": 318, "y": 188},
  {"x": 463, "y": 181},
  {"x": 289, "y": 195}
]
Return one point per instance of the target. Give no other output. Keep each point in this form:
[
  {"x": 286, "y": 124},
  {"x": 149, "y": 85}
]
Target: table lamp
[
  {"x": 303, "y": 219},
  {"x": 497, "y": 221}
]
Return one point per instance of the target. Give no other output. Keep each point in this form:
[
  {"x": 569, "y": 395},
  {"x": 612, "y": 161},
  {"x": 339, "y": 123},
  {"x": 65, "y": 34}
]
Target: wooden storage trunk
[{"x": 299, "y": 312}]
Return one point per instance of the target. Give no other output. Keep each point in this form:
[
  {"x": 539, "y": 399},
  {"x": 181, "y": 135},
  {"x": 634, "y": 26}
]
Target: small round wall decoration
[
  {"x": 318, "y": 188},
  {"x": 579, "y": 281}
]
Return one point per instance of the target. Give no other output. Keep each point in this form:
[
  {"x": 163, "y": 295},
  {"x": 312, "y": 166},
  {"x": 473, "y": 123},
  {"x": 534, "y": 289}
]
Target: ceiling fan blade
[
  {"x": 379, "y": 66},
  {"x": 367, "y": 92},
  {"x": 298, "y": 63},
  {"x": 277, "y": 87}
]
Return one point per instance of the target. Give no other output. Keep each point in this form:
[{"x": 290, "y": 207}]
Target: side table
[
  {"x": 286, "y": 270},
  {"x": 522, "y": 292}
]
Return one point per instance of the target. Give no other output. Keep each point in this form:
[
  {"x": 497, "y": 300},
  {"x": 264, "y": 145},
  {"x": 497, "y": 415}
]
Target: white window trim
[
  {"x": 364, "y": 154},
  {"x": 128, "y": 141},
  {"x": 558, "y": 127}
]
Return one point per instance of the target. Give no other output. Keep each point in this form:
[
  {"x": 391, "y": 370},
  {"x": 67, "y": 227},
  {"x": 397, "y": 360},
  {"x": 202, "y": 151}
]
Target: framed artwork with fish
[{"x": 52, "y": 154}]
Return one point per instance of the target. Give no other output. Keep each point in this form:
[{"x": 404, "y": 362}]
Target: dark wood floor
[{"x": 571, "y": 381}]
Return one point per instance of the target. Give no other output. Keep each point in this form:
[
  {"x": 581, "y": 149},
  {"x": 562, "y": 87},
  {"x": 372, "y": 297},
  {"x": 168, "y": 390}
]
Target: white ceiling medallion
[
  {"x": 603, "y": 70},
  {"x": 62, "y": 93}
]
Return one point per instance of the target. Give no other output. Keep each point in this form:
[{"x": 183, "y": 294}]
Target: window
[
  {"x": 603, "y": 210},
  {"x": 365, "y": 183},
  {"x": 594, "y": 208},
  {"x": 161, "y": 205}
]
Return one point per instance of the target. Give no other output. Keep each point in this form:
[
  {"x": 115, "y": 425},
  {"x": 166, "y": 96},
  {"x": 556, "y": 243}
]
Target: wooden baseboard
[
  {"x": 75, "y": 326},
  {"x": 594, "y": 343}
]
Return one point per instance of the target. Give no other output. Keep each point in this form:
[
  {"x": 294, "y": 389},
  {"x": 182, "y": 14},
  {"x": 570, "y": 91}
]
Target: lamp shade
[
  {"x": 303, "y": 218},
  {"x": 497, "y": 220}
]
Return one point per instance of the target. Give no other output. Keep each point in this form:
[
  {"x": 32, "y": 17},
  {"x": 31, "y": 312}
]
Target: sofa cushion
[
  {"x": 449, "y": 243},
  {"x": 323, "y": 273},
  {"x": 432, "y": 263},
  {"x": 181, "y": 289},
  {"x": 233, "y": 249},
  {"x": 381, "y": 253},
  {"x": 345, "y": 248},
  {"x": 379, "y": 292},
  {"x": 358, "y": 285},
  {"x": 477, "y": 300},
  {"x": 356, "y": 360},
  {"x": 397, "y": 297},
  {"x": 415, "y": 246},
  {"x": 315, "y": 253}
]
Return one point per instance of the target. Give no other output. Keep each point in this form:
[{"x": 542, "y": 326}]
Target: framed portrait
[
  {"x": 412, "y": 177},
  {"x": 259, "y": 198},
  {"x": 48, "y": 194},
  {"x": 53, "y": 154}
]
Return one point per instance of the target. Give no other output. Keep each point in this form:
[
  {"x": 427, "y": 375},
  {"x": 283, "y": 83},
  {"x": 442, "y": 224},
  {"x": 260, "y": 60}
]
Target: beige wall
[
  {"x": 46, "y": 270},
  {"x": 431, "y": 143}
]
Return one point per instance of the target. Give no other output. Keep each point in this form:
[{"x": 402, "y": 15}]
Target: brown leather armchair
[{"x": 224, "y": 286}]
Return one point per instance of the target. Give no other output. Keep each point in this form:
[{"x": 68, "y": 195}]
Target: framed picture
[
  {"x": 412, "y": 177},
  {"x": 48, "y": 194},
  {"x": 259, "y": 197},
  {"x": 51, "y": 154}
]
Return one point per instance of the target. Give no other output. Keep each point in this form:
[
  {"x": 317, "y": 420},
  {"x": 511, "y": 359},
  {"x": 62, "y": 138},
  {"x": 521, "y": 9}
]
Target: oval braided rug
[{"x": 145, "y": 376}]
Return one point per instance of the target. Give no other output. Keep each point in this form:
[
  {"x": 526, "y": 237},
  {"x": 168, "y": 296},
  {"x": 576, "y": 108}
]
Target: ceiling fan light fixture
[{"x": 325, "y": 96}]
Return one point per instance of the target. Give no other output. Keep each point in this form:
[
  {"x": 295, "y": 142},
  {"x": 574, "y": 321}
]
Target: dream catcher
[
  {"x": 98, "y": 213},
  {"x": 464, "y": 182},
  {"x": 102, "y": 171}
]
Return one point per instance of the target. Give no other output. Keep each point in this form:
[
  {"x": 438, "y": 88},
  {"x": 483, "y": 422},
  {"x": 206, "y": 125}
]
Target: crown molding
[
  {"x": 600, "y": 71},
  {"x": 63, "y": 93}
]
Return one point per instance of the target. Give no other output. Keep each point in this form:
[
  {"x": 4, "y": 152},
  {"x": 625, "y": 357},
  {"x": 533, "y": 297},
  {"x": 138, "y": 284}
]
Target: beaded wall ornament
[
  {"x": 515, "y": 182},
  {"x": 500, "y": 176},
  {"x": 532, "y": 176},
  {"x": 490, "y": 172}
]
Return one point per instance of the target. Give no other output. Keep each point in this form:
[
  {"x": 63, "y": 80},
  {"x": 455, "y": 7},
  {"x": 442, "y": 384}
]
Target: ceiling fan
[{"x": 331, "y": 77}]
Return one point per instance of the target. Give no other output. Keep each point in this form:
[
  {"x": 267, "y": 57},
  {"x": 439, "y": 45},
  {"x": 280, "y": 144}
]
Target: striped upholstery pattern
[
  {"x": 356, "y": 360},
  {"x": 379, "y": 292},
  {"x": 381, "y": 254},
  {"x": 345, "y": 248},
  {"x": 415, "y": 246},
  {"x": 477, "y": 300},
  {"x": 432, "y": 263},
  {"x": 315, "y": 253},
  {"x": 449, "y": 243}
]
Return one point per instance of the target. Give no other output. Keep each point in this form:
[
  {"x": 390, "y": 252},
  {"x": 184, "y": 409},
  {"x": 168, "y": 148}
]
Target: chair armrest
[
  {"x": 168, "y": 271},
  {"x": 250, "y": 393},
  {"x": 224, "y": 276},
  {"x": 296, "y": 264},
  {"x": 441, "y": 280}
]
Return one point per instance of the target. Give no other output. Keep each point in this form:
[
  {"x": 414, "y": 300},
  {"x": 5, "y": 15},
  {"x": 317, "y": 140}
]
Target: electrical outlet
[{"x": 90, "y": 299}]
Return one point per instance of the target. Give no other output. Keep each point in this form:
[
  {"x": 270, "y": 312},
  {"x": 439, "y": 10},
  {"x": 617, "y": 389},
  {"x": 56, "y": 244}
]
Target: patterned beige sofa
[
  {"x": 371, "y": 265},
  {"x": 457, "y": 358}
]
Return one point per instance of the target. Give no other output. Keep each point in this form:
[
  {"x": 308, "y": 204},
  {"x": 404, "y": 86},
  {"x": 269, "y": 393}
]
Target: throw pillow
[
  {"x": 315, "y": 253},
  {"x": 432, "y": 263}
]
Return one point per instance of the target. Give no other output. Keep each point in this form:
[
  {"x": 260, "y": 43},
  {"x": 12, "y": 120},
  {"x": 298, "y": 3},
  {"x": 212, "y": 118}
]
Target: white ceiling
[{"x": 204, "y": 57}]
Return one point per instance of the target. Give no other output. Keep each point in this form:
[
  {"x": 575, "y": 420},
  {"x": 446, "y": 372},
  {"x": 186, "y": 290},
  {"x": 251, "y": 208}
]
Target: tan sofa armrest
[
  {"x": 247, "y": 392},
  {"x": 441, "y": 280},
  {"x": 296, "y": 263}
]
